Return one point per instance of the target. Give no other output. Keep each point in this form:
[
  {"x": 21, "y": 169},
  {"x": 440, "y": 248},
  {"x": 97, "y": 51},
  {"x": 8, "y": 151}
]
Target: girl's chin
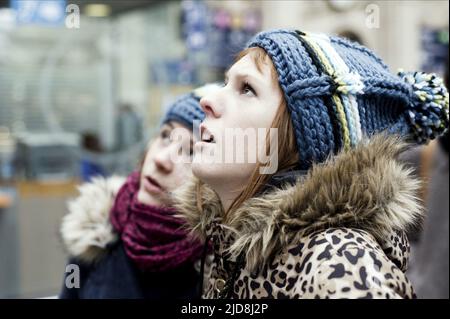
[
  {"x": 144, "y": 197},
  {"x": 208, "y": 172},
  {"x": 201, "y": 170},
  {"x": 204, "y": 150}
]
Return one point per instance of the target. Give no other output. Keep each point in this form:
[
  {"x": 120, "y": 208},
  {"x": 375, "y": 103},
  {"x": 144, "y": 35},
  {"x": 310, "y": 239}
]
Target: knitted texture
[
  {"x": 338, "y": 91},
  {"x": 185, "y": 110}
]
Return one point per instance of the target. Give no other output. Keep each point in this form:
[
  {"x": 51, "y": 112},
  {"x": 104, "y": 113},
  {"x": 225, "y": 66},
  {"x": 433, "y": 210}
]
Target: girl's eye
[
  {"x": 165, "y": 135},
  {"x": 187, "y": 150},
  {"x": 190, "y": 149},
  {"x": 247, "y": 89}
]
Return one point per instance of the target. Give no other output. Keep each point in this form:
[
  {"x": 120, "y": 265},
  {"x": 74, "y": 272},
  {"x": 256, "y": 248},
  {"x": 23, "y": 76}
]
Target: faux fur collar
[
  {"x": 366, "y": 188},
  {"x": 86, "y": 230}
]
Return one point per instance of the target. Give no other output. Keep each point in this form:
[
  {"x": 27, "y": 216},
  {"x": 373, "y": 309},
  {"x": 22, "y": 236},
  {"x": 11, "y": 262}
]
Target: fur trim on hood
[
  {"x": 366, "y": 188},
  {"x": 86, "y": 230}
]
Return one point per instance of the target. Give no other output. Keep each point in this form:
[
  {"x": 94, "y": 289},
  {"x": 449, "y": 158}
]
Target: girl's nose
[
  {"x": 163, "y": 161},
  {"x": 210, "y": 106}
]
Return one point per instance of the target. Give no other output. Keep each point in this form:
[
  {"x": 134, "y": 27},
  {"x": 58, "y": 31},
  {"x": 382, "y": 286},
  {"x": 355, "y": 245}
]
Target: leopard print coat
[{"x": 337, "y": 232}]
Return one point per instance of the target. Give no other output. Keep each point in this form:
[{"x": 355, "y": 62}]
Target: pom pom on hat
[{"x": 428, "y": 113}]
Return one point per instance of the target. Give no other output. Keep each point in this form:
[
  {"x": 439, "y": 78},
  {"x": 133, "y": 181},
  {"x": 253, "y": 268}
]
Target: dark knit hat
[
  {"x": 186, "y": 109},
  {"x": 339, "y": 91}
]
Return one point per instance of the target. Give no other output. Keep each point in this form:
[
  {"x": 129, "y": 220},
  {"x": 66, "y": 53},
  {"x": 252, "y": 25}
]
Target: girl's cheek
[
  {"x": 180, "y": 175},
  {"x": 147, "y": 162}
]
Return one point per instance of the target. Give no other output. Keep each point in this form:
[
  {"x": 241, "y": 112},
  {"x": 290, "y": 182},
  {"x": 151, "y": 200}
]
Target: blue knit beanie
[
  {"x": 186, "y": 109},
  {"x": 339, "y": 91}
]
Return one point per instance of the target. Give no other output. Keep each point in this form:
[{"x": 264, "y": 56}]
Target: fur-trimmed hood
[
  {"x": 366, "y": 188},
  {"x": 86, "y": 230}
]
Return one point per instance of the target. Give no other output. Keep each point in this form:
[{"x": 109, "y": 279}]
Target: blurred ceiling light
[
  {"x": 7, "y": 19},
  {"x": 97, "y": 10}
]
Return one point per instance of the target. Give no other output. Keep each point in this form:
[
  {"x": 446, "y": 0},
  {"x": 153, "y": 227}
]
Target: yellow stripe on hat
[{"x": 336, "y": 98}]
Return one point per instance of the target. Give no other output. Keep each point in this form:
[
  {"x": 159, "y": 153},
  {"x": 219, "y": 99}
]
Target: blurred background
[{"x": 83, "y": 85}]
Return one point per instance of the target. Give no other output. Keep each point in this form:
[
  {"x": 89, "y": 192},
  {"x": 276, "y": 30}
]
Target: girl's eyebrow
[
  {"x": 244, "y": 76},
  {"x": 170, "y": 125}
]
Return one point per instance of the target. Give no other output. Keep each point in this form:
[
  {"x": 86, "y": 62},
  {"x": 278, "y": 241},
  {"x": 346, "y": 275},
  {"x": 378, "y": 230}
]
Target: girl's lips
[
  {"x": 203, "y": 143},
  {"x": 205, "y": 135},
  {"x": 152, "y": 186},
  {"x": 199, "y": 146}
]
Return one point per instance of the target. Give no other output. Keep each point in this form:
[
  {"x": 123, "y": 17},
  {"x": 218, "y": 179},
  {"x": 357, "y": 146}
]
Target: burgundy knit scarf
[{"x": 152, "y": 236}]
